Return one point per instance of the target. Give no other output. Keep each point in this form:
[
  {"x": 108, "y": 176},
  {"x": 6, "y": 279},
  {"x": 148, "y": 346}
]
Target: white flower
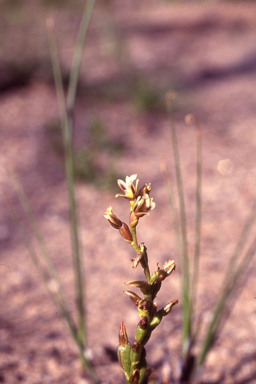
[{"x": 128, "y": 187}]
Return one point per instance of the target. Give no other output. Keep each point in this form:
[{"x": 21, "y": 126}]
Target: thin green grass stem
[
  {"x": 198, "y": 214},
  {"x": 67, "y": 129},
  {"x": 69, "y": 169},
  {"x": 170, "y": 194},
  {"x": 55, "y": 292},
  {"x": 241, "y": 242},
  {"x": 39, "y": 238},
  {"x": 186, "y": 310},
  {"x": 223, "y": 303},
  {"x": 232, "y": 276},
  {"x": 66, "y": 116},
  {"x": 77, "y": 57}
]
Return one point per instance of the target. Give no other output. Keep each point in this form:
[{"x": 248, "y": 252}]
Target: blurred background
[{"x": 135, "y": 51}]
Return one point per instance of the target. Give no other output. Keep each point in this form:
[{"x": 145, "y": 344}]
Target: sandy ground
[{"x": 207, "y": 53}]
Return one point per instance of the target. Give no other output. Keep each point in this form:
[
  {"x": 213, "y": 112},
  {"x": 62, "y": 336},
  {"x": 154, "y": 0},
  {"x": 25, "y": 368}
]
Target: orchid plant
[{"x": 132, "y": 357}]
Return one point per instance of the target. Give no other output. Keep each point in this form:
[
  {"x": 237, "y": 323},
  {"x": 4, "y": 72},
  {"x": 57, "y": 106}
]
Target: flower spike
[{"x": 132, "y": 357}]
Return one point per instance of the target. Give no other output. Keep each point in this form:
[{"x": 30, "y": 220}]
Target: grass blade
[
  {"x": 38, "y": 236},
  {"x": 77, "y": 261},
  {"x": 190, "y": 119},
  {"x": 186, "y": 310},
  {"x": 56, "y": 293},
  {"x": 76, "y": 63},
  {"x": 170, "y": 194},
  {"x": 66, "y": 117},
  {"x": 230, "y": 282}
]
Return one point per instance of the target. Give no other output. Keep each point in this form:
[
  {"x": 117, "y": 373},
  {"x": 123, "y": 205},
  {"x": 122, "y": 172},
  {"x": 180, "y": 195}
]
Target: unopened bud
[
  {"x": 123, "y": 338},
  {"x": 126, "y": 233},
  {"x": 113, "y": 219},
  {"x": 124, "y": 351}
]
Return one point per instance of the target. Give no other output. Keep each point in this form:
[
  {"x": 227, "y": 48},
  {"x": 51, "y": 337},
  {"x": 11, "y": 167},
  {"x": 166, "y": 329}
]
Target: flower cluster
[
  {"x": 140, "y": 205},
  {"x": 132, "y": 357}
]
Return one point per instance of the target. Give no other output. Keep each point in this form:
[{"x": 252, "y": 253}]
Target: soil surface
[{"x": 134, "y": 53}]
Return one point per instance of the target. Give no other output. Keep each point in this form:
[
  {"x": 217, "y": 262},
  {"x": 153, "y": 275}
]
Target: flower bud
[
  {"x": 113, "y": 219},
  {"x": 124, "y": 351},
  {"x": 126, "y": 233},
  {"x": 123, "y": 338}
]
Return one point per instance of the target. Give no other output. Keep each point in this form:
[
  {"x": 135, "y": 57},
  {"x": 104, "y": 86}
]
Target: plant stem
[
  {"x": 223, "y": 303},
  {"x": 76, "y": 63},
  {"x": 67, "y": 125},
  {"x": 175, "y": 221},
  {"x": 69, "y": 169},
  {"x": 186, "y": 309},
  {"x": 198, "y": 215},
  {"x": 144, "y": 259}
]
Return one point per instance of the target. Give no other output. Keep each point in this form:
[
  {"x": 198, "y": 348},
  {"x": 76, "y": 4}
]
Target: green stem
[
  {"x": 137, "y": 249},
  {"x": 68, "y": 129},
  {"x": 69, "y": 169},
  {"x": 57, "y": 296},
  {"x": 198, "y": 216},
  {"x": 170, "y": 193},
  {"x": 185, "y": 285},
  {"x": 223, "y": 304},
  {"x": 77, "y": 58},
  {"x": 66, "y": 124}
]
